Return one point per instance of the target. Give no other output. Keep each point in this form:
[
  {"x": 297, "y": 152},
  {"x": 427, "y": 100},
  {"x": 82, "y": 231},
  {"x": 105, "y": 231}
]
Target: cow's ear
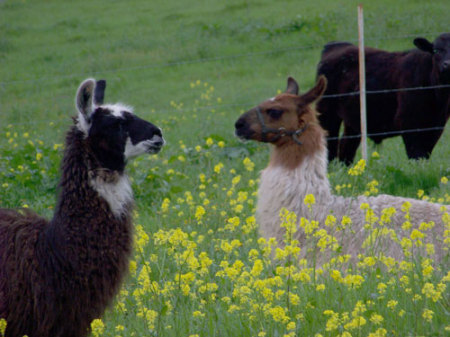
[{"x": 423, "y": 44}]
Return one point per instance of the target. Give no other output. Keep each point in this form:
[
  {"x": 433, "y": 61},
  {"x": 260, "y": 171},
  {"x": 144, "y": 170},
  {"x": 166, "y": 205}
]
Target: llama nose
[
  {"x": 158, "y": 141},
  {"x": 446, "y": 64},
  {"x": 240, "y": 123}
]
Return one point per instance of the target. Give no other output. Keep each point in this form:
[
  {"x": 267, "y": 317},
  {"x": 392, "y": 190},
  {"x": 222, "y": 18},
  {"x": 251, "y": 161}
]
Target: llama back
[
  {"x": 19, "y": 233},
  {"x": 412, "y": 214},
  {"x": 372, "y": 231}
]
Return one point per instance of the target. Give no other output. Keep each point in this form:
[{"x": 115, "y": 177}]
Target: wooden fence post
[{"x": 362, "y": 82}]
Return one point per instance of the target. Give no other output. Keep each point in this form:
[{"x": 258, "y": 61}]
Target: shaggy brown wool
[{"x": 59, "y": 275}]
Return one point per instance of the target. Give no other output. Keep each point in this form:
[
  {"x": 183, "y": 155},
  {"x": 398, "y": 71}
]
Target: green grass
[{"x": 193, "y": 68}]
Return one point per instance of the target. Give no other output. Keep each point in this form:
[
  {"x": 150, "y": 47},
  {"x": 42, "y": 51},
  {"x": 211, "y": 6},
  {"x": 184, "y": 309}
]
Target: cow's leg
[
  {"x": 420, "y": 144},
  {"x": 331, "y": 122},
  {"x": 348, "y": 144}
]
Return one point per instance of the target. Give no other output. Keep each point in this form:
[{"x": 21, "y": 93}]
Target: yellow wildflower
[
  {"x": 309, "y": 200},
  {"x": 427, "y": 314},
  {"x": 291, "y": 326},
  {"x": 330, "y": 221},
  {"x": 278, "y": 314},
  {"x": 199, "y": 212},
  {"x": 376, "y": 319},
  {"x": 416, "y": 234},
  {"x": 381, "y": 287},
  {"x": 236, "y": 180},
  {"x": 257, "y": 268},
  {"x": 218, "y": 167},
  {"x": 320, "y": 287},
  {"x": 165, "y": 205},
  {"x": 198, "y": 314},
  {"x": 97, "y": 327},
  {"x": 209, "y": 141},
  {"x": 3, "y": 325},
  {"x": 381, "y": 332},
  {"x": 391, "y": 304},
  {"x": 336, "y": 275},
  {"x": 249, "y": 165},
  {"x": 358, "y": 169}
]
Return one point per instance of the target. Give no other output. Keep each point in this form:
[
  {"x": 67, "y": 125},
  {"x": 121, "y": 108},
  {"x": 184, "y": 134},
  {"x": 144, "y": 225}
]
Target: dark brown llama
[{"x": 57, "y": 276}]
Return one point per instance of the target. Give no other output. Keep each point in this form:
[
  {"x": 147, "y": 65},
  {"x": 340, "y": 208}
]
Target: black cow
[{"x": 394, "y": 112}]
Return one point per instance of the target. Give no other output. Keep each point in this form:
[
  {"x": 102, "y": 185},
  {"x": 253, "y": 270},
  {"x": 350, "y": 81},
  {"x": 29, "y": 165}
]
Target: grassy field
[{"x": 199, "y": 267}]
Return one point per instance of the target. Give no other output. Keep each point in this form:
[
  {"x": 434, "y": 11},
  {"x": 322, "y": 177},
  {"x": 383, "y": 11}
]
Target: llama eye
[{"x": 274, "y": 113}]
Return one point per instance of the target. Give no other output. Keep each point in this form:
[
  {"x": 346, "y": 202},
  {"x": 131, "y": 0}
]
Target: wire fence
[
  {"x": 388, "y": 133},
  {"x": 289, "y": 49},
  {"x": 201, "y": 60}
]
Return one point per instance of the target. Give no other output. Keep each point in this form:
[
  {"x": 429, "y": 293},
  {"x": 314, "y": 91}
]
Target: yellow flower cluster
[
  {"x": 200, "y": 263},
  {"x": 357, "y": 169}
]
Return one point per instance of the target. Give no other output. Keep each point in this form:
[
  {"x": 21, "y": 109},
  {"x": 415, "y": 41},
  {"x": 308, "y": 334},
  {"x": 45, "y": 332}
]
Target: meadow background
[{"x": 192, "y": 67}]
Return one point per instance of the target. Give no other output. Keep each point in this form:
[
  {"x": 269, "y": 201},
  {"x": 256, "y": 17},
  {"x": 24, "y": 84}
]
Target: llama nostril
[{"x": 157, "y": 141}]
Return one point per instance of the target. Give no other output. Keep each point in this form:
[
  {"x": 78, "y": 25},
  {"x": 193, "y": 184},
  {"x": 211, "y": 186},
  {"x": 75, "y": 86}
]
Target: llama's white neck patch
[{"x": 117, "y": 194}]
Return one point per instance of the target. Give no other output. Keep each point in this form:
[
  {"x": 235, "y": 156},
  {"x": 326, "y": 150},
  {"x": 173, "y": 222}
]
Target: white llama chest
[
  {"x": 117, "y": 194},
  {"x": 281, "y": 187}
]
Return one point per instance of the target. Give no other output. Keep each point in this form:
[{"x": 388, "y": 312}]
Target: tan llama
[{"x": 298, "y": 167}]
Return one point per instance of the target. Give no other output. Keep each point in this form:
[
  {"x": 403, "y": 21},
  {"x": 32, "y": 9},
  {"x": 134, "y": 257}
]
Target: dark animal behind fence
[
  {"x": 57, "y": 276},
  {"x": 387, "y": 112}
]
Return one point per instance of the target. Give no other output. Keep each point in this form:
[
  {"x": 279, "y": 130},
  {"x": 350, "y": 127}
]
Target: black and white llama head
[{"x": 113, "y": 131}]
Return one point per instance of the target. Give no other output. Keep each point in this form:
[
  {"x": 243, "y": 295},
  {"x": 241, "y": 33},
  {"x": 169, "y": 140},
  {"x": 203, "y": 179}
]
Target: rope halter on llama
[{"x": 280, "y": 132}]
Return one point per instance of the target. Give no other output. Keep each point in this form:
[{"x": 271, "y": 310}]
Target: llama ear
[
  {"x": 423, "y": 44},
  {"x": 315, "y": 93},
  {"x": 99, "y": 92},
  {"x": 292, "y": 86},
  {"x": 84, "y": 97}
]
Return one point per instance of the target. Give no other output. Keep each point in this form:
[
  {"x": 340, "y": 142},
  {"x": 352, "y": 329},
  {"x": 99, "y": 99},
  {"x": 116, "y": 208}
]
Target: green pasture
[{"x": 192, "y": 67}]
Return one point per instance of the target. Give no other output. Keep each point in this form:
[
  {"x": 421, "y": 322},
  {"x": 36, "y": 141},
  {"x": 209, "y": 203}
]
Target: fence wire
[
  {"x": 388, "y": 133},
  {"x": 243, "y": 104},
  {"x": 202, "y": 60}
]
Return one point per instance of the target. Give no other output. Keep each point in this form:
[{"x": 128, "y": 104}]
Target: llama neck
[
  {"x": 294, "y": 171},
  {"x": 87, "y": 187},
  {"x": 291, "y": 156},
  {"x": 87, "y": 239}
]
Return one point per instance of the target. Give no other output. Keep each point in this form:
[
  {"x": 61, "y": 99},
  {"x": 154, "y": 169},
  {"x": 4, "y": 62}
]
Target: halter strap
[{"x": 280, "y": 132}]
